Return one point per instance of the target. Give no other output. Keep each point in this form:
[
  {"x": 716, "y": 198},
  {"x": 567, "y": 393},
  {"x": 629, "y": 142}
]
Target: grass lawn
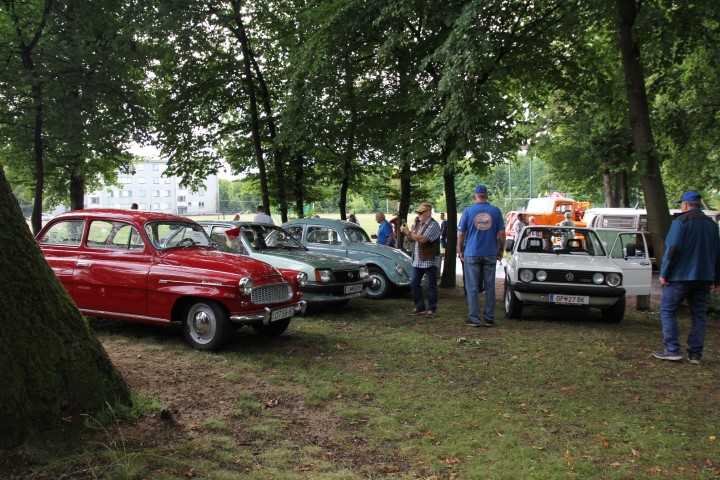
[{"x": 368, "y": 392}]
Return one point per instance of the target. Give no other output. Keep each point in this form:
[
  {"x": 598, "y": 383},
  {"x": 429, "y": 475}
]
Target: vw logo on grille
[
  {"x": 569, "y": 277},
  {"x": 350, "y": 275}
]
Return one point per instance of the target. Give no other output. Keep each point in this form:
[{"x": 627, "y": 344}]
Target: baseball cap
[
  {"x": 691, "y": 196},
  {"x": 481, "y": 189}
]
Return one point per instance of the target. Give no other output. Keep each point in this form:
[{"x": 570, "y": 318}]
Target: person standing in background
[
  {"x": 443, "y": 231},
  {"x": 424, "y": 240},
  {"x": 568, "y": 222},
  {"x": 520, "y": 223},
  {"x": 262, "y": 217},
  {"x": 484, "y": 227},
  {"x": 385, "y": 231},
  {"x": 690, "y": 269}
]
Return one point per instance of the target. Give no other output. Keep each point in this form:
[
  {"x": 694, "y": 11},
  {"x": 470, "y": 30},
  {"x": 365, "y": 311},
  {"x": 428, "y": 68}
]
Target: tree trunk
[
  {"x": 52, "y": 366},
  {"x": 349, "y": 154},
  {"x": 624, "y": 194},
  {"x": 77, "y": 193},
  {"x": 610, "y": 200},
  {"x": 449, "y": 274},
  {"x": 277, "y": 152},
  {"x": 254, "y": 114},
  {"x": 643, "y": 141},
  {"x": 404, "y": 207},
  {"x": 299, "y": 179},
  {"x": 38, "y": 147}
]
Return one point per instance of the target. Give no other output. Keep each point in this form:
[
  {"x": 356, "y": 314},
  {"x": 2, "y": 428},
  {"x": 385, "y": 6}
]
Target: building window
[
  {"x": 155, "y": 167},
  {"x": 166, "y": 193},
  {"x": 201, "y": 193},
  {"x": 94, "y": 201},
  {"x": 125, "y": 180},
  {"x": 166, "y": 180},
  {"x": 140, "y": 167},
  {"x": 110, "y": 194},
  {"x": 125, "y": 193},
  {"x": 201, "y": 204},
  {"x": 156, "y": 193},
  {"x": 141, "y": 180},
  {"x": 156, "y": 180},
  {"x": 142, "y": 193},
  {"x": 182, "y": 198}
]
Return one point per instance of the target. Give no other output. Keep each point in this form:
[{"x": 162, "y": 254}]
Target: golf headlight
[
  {"x": 246, "y": 285},
  {"x": 599, "y": 278},
  {"x": 613, "y": 279},
  {"x": 541, "y": 275},
  {"x": 302, "y": 278},
  {"x": 526, "y": 275},
  {"x": 364, "y": 272}
]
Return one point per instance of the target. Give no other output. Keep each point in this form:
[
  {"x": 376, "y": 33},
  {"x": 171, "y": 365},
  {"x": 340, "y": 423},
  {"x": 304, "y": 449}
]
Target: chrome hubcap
[{"x": 201, "y": 323}]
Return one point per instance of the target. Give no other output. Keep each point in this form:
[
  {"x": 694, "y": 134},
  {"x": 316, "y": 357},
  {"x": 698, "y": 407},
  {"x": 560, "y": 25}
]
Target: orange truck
[{"x": 549, "y": 210}]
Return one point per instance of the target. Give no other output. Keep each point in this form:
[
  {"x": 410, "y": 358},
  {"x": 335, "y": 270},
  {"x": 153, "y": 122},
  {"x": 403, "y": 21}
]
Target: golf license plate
[
  {"x": 353, "y": 288},
  {"x": 281, "y": 313},
  {"x": 569, "y": 299}
]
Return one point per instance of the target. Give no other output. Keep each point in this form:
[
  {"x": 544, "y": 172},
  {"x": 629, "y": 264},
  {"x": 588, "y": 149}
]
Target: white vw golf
[{"x": 576, "y": 266}]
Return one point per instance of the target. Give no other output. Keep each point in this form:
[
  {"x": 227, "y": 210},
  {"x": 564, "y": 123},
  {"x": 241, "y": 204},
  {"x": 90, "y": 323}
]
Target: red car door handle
[{"x": 83, "y": 264}]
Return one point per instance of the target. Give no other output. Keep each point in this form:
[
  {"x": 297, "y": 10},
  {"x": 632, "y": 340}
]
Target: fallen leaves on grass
[
  {"x": 604, "y": 441},
  {"x": 569, "y": 458}
]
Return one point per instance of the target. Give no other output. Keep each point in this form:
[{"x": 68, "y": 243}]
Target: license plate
[
  {"x": 353, "y": 288},
  {"x": 569, "y": 299},
  {"x": 282, "y": 313}
]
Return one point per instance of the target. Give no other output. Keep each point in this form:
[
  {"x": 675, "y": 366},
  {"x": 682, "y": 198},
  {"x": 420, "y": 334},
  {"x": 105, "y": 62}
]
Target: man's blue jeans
[
  {"x": 417, "y": 294},
  {"x": 477, "y": 269},
  {"x": 697, "y": 294}
]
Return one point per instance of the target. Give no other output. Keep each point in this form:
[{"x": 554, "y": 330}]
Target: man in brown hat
[{"x": 425, "y": 244}]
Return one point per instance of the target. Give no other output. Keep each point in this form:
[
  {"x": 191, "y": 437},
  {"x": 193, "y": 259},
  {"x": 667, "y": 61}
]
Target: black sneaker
[
  {"x": 673, "y": 357},
  {"x": 489, "y": 323},
  {"x": 470, "y": 323},
  {"x": 694, "y": 359}
]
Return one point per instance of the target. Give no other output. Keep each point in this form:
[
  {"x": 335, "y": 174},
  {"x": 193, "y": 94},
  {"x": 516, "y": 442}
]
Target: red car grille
[{"x": 272, "y": 293}]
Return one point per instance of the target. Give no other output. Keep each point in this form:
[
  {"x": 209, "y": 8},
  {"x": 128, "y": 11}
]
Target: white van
[
  {"x": 714, "y": 214},
  {"x": 616, "y": 218}
]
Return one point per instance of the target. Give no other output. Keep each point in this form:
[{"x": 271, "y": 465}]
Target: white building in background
[{"x": 154, "y": 192}]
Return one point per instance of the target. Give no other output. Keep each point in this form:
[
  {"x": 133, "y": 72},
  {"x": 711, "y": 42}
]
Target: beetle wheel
[{"x": 380, "y": 286}]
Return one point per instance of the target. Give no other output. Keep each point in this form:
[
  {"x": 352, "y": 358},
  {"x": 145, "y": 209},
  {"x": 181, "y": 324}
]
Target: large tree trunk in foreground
[
  {"x": 449, "y": 274},
  {"x": 643, "y": 141},
  {"x": 52, "y": 365}
]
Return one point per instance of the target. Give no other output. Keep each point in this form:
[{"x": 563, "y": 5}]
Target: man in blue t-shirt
[
  {"x": 385, "y": 231},
  {"x": 480, "y": 245}
]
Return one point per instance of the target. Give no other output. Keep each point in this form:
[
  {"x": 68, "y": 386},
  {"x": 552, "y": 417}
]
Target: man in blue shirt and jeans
[
  {"x": 690, "y": 268},
  {"x": 484, "y": 227}
]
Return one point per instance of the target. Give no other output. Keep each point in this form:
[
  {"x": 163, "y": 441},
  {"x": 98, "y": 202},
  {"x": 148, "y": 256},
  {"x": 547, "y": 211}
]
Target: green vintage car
[{"x": 330, "y": 279}]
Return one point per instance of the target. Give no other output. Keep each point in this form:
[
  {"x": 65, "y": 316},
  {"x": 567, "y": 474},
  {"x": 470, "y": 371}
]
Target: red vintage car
[{"x": 160, "y": 269}]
